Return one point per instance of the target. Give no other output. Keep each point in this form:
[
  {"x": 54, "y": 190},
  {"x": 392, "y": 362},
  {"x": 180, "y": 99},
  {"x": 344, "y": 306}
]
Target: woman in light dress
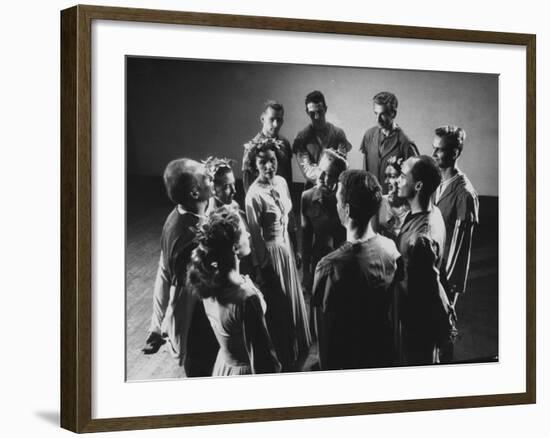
[
  {"x": 268, "y": 205},
  {"x": 233, "y": 304}
]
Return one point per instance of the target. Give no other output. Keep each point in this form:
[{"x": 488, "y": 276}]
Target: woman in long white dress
[
  {"x": 268, "y": 205},
  {"x": 233, "y": 304}
]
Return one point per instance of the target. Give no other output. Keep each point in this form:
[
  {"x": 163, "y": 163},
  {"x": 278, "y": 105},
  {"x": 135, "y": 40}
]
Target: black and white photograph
[{"x": 287, "y": 218}]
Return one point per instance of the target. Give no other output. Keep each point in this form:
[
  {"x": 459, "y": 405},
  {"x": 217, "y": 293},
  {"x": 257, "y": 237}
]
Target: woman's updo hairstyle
[
  {"x": 214, "y": 257},
  {"x": 256, "y": 147}
]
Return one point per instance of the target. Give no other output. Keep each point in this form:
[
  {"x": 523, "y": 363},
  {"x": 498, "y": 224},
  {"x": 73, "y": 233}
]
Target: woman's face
[
  {"x": 390, "y": 179},
  {"x": 266, "y": 162},
  {"x": 242, "y": 248},
  {"x": 224, "y": 188}
]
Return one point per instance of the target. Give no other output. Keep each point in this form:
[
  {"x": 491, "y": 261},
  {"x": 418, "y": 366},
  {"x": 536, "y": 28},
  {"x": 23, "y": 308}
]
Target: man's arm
[
  {"x": 344, "y": 146},
  {"x": 458, "y": 259},
  {"x": 323, "y": 318},
  {"x": 161, "y": 295},
  {"x": 424, "y": 287},
  {"x": 310, "y": 170}
]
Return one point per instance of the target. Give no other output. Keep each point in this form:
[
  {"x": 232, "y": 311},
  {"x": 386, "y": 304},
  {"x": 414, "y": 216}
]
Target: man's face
[
  {"x": 328, "y": 177},
  {"x": 390, "y": 180},
  {"x": 406, "y": 186},
  {"x": 205, "y": 186},
  {"x": 224, "y": 188},
  {"x": 272, "y": 120},
  {"x": 445, "y": 156},
  {"x": 316, "y": 113},
  {"x": 384, "y": 116},
  {"x": 341, "y": 207}
]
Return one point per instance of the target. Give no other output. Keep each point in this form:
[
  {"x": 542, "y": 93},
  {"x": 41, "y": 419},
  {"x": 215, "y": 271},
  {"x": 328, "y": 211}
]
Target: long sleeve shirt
[{"x": 458, "y": 202}]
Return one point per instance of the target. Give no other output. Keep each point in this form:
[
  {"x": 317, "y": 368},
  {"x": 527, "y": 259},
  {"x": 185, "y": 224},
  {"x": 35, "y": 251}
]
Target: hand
[
  {"x": 452, "y": 314},
  {"x": 298, "y": 258}
]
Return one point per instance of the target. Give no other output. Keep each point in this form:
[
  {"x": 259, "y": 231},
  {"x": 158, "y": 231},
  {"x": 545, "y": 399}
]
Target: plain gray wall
[{"x": 192, "y": 108}]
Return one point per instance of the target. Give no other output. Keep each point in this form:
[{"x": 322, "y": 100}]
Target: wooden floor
[{"x": 477, "y": 310}]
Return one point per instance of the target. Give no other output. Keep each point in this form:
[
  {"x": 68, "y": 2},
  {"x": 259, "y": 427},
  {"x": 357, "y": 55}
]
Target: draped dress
[
  {"x": 236, "y": 315},
  {"x": 267, "y": 210}
]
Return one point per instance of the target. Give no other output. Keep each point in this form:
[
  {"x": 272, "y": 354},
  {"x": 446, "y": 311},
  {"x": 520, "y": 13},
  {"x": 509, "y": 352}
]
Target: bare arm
[
  {"x": 253, "y": 216},
  {"x": 307, "y": 243},
  {"x": 263, "y": 358}
]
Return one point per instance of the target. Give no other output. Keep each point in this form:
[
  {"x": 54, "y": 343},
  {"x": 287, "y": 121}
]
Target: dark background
[{"x": 193, "y": 108}]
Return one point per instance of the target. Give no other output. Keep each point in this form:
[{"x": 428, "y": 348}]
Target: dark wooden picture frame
[{"x": 76, "y": 218}]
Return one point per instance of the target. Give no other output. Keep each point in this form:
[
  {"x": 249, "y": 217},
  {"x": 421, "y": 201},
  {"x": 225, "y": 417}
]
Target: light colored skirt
[
  {"x": 226, "y": 366},
  {"x": 284, "y": 265}
]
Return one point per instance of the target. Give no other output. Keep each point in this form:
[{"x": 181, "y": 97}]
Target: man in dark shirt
[
  {"x": 319, "y": 135},
  {"x": 178, "y": 315},
  {"x": 386, "y": 140},
  {"x": 322, "y": 231},
  {"x": 272, "y": 119},
  {"x": 353, "y": 285},
  {"x": 424, "y": 309}
]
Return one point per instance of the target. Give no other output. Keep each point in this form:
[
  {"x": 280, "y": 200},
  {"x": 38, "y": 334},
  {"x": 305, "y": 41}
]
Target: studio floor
[{"x": 477, "y": 310}]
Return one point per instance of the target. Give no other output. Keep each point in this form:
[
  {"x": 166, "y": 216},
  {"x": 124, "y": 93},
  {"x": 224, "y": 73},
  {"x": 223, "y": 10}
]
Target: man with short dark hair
[
  {"x": 319, "y": 135},
  {"x": 353, "y": 285},
  {"x": 386, "y": 140},
  {"x": 322, "y": 231},
  {"x": 272, "y": 119},
  {"x": 424, "y": 309},
  {"x": 177, "y": 314},
  {"x": 458, "y": 201}
]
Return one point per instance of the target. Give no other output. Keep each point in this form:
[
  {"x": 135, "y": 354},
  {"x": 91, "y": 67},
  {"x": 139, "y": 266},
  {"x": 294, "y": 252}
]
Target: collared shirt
[
  {"x": 309, "y": 144},
  {"x": 284, "y": 162},
  {"x": 379, "y": 148}
]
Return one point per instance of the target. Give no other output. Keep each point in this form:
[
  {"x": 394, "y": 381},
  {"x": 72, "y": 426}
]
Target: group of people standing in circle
[{"x": 373, "y": 281}]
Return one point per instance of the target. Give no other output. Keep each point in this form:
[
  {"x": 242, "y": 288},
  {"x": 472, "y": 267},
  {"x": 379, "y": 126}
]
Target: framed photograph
[{"x": 218, "y": 263}]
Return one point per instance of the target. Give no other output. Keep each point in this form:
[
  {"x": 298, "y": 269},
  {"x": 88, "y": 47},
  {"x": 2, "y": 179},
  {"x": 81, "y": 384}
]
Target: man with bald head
[
  {"x": 322, "y": 231},
  {"x": 424, "y": 309},
  {"x": 178, "y": 316}
]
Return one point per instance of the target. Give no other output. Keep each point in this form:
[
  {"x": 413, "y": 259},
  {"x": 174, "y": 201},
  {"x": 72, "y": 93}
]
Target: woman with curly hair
[
  {"x": 268, "y": 205},
  {"x": 233, "y": 304}
]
